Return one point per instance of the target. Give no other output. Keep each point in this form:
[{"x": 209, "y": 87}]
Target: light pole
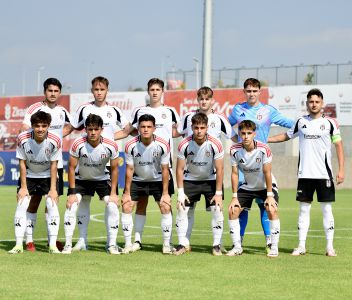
[
  {"x": 196, "y": 61},
  {"x": 39, "y": 73}
]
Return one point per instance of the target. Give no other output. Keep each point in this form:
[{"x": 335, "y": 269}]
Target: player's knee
[
  {"x": 165, "y": 208},
  {"x": 127, "y": 207}
]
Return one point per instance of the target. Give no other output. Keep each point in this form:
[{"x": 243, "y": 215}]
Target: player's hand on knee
[
  {"x": 234, "y": 205},
  {"x": 70, "y": 200},
  {"x": 270, "y": 204},
  {"x": 115, "y": 199},
  {"x": 181, "y": 201},
  {"x": 53, "y": 195},
  {"x": 126, "y": 200},
  {"x": 217, "y": 199},
  {"x": 21, "y": 194},
  {"x": 165, "y": 200}
]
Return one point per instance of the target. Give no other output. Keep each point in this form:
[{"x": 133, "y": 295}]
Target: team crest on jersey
[
  {"x": 108, "y": 114},
  {"x": 47, "y": 151},
  {"x": 103, "y": 155},
  {"x": 207, "y": 153},
  {"x": 212, "y": 125},
  {"x": 322, "y": 127},
  {"x": 259, "y": 117},
  {"x": 163, "y": 116},
  {"x": 258, "y": 160},
  {"x": 155, "y": 153},
  {"x": 61, "y": 117}
]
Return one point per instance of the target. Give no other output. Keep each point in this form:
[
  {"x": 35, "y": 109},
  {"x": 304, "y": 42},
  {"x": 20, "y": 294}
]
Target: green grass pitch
[{"x": 148, "y": 274}]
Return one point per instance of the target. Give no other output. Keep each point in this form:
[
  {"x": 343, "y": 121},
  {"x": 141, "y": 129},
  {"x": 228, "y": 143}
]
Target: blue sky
[{"x": 131, "y": 41}]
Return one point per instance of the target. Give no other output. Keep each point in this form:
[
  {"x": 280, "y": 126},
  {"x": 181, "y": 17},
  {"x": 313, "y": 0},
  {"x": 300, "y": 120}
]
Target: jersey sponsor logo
[
  {"x": 312, "y": 136},
  {"x": 92, "y": 165},
  {"x": 85, "y": 155},
  {"x": 138, "y": 155},
  {"x": 29, "y": 152},
  {"x": 145, "y": 163},
  {"x": 199, "y": 163},
  {"x": 304, "y": 126},
  {"x": 40, "y": 163},
  {"x": 191, "y": 153},
  {"x": 55, "y": 127},
  {"x": 255, "y": 170},
  {"x": 241, "y": 161}
]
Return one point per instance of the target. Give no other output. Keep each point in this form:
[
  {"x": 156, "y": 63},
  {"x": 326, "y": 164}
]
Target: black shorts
[
  {"x": 89, "y": 187},
  {"x": 324, "y": 187},
  {"x": 151, "y": 188},
  {"x": 245, "y": 197},
  {"x": 37, "y": 186},
  {"x": 195, "y": 189}
]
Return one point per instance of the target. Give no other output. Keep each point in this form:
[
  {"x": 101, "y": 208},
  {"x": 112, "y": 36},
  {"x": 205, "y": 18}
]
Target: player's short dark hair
[
  {"x": 247, "y": 124},
  {"x": 155, "y": 81},
  {"x": 199, "y": 118},
  {"x": 205, "y": 91},
  {"x": 146, "y": 118},
  {"x": 93, "y": 119},
  {"x": 315, "y": 92},
  {"x": 52, "y": 81},
  {"x": 100, "y": 79},
  {"x": 252, "y": 82},
  {"x": 40, "y": 117}
]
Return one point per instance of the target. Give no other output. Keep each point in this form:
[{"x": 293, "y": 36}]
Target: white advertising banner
[
  {"x": 291, "y": 101},
  {"x": 126, "y": 101}
]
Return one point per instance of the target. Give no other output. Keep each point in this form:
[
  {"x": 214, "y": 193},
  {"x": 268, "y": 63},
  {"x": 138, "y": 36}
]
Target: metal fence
[{"x": 269, "y": 76}]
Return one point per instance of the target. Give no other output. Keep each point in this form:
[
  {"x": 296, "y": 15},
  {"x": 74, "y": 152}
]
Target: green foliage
[
  {"x": 148, "y": 274},
  {"x": 308, "y": 80}
]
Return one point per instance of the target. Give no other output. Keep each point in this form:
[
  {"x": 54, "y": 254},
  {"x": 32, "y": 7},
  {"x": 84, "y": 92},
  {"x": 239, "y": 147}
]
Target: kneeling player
[
  {"x": 88, "y": 158},
  {"x": 253, "y": 158},
  {"x": 199, "y": 171},
  {"x": 38, "y": 153},
  {"x": 147, "y": 173}
]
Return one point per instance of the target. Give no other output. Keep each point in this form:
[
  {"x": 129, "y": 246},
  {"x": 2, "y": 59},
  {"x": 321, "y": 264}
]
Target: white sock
[
  {"x": 139, "y": 221},
  {"x": 127, "y": 227},
  {"x": 166, "y": 228},
  {"x": 303, "y": 223},
  {"x": 31, "y": 221},
  {"x": 191, "y": 220},
  {"x": 20, "y": 220},
  {"x": 70, "y": 222},
  {"x": 275, "y": 233},
  {"x": 217, "y": 224},
  {"x": 112, "y": 219},
  {"x": 83, "y": 216},
  {"x": 182, "y": 225},
  {"x": 235, "y": 235},
  {"x": 329, "y": 224},
  {"x": 53, "y": 221}
]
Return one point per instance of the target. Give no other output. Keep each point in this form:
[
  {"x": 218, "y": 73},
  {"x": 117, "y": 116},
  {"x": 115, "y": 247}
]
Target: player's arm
[
  {"x": 279, "y": 119},
  {"x": 23, "y": 191},
  {"x": 165, "y": 174},
  {"x": 125, "y": 132},
  {"x": 114, "y": 164},
  {"x": 68, "y": 128},
  {"x": 341, "y": 161},
  {"x": 270, "y": 201},
  {"x": 126, "y": 197},
  {"x": 282, "y": 137},
  {"x": 53, "y": 181},
  {"x": 175, "y": 133},
  {"x": 234, "y": 183},
  {"x": 219, "y": 167},
  {"x": 181, "y": 196},
  {"x": 72, "y": 164}
]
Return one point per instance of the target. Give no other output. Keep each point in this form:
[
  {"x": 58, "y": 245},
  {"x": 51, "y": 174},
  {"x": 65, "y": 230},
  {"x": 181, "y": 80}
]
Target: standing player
[
  {"x": 87, "y": 174},
  {"x": 199, "y": 171},
  {"x": 263, "y": 116},
  {"x": 113, "y": 121},
  {"x": 315, "y": 132},
  {"x": 217, "y": 125},
  {"x": 38, "y": 152},
  {"x": 166, "y": 119},
  {"x": 147, "y": 173},
  {"x": 60, "y": 125},
  {"x": 253, "y": 158}
]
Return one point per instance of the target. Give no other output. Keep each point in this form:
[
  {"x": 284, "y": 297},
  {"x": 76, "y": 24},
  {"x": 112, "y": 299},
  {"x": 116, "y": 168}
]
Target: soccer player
[
  {"x": 199, "y": 171},
  {"x": 60, "y": 125},
  {"x": 113, "y": 122},
  {"x": 147, "y": 173},
  {"x": 253, "y": 158},
  {"x": 263, "y": 116},
  {"x": 166, "y": 119},
  {"x": 316, "y": 132},
  {"x": 87, "y": 174},
  {"x": 217, "y": 125},
  {"x": 38, "y": 152}
]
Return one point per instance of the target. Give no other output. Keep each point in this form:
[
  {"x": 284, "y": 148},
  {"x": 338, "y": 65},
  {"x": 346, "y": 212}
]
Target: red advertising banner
[
  {"x": 12, "y": 111},
  {"x": 225, "y": 99}
]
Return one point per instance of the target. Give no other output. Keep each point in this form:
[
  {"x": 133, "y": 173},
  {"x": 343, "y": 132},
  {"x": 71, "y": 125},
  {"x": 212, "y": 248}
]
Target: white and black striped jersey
[
  {"x": 59, "y": 117},
  {"x": 147, "y": 160},
  {"x": 200, "y": 158},
  {"x": 92, "y": 160},
  {"x": 217, "y": 125},
  {"x": 251, "y": 164},
  {"x": 112, "y": 116},
  {"x": 38, "y": 157},
  {"x": 315, "y": 139}
]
